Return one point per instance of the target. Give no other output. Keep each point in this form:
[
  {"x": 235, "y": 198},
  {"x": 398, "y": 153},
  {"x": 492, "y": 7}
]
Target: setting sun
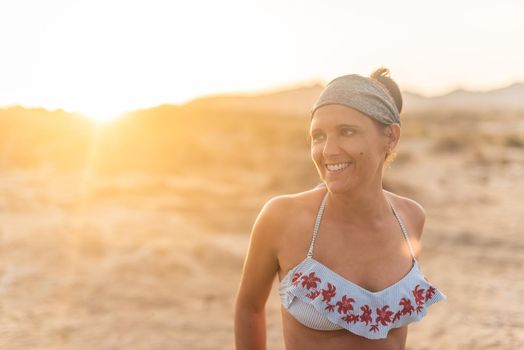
[
  {"x": 104, "y": 58},
  {"x": 102, "y": 114}
]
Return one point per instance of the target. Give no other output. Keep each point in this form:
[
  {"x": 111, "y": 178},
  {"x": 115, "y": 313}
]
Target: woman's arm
[{"x": 260, "y": 268}]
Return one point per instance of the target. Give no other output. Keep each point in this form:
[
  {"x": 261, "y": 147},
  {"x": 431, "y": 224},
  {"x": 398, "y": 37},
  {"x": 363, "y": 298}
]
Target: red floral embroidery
[
  {"x": 419, "y": 295},
  {"x": 330, "y": 307},
  {"x": 384, "y": 315},
  {"x": 350, "y": 318},
  {"x": 430, "y": 292},
  {"x": 313, "y": 294},
  {"x": 397, "y": 316},
  {"x": 366, "y": 314},
  {"x": 329, "y": 293},
  {"x": 407, "y": 308},
  {"x": 296, "y": 279},
  {"x": 310, "y": 281},
  {"x": 344, "y": 305},
  {"x": 419, "y": 298}
]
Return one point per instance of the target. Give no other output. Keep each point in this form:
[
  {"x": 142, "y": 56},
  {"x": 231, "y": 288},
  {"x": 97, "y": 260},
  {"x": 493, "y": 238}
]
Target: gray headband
[{"x": 363, "y": 94}]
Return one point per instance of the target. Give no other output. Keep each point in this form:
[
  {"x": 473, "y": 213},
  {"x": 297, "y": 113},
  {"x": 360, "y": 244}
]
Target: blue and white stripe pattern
[{"x": 321, "y": 299}]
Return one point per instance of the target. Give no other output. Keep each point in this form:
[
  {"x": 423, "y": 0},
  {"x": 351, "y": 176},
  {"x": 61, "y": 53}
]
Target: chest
[{"x": 371, "y": 258}]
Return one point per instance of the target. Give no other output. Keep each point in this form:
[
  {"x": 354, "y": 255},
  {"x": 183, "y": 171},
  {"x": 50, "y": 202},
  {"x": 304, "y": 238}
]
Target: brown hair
[{"x": 382, "y": 76}]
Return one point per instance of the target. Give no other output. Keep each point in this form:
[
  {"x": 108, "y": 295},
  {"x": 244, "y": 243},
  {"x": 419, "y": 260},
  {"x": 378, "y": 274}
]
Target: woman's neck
[{"x": 358, "y": 207}]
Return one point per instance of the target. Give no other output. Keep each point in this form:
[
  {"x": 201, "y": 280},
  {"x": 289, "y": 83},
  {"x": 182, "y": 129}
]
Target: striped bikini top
[{"x": 321, "y": 299}]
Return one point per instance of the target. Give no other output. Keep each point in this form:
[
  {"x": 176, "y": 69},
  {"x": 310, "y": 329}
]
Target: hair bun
[{"x": 382, "y": 76}]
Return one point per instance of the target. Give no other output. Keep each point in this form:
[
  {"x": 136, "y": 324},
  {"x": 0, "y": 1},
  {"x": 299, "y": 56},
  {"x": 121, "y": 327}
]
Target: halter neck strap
[
  {"x": 317, "y": 225},
  {"x": 319, "y": 219}
]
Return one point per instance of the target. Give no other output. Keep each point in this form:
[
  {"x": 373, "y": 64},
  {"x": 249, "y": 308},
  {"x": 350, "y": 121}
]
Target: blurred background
[{"x": 139, "y": 141}]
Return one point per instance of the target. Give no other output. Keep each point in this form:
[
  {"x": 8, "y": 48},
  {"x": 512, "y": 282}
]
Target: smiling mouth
[{"x": 337, "y": 167}]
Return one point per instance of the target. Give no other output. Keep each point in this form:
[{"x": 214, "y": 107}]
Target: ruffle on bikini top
[{"x": 360, "y": 311}]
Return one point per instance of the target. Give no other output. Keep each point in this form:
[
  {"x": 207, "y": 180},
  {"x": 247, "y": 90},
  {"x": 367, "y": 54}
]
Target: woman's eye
[
  {"x": 347, "y": 131},
  {"x": 316, "y": 137}
]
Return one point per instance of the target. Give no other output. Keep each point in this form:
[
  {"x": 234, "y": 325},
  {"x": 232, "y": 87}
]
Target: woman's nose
[{"x": 331, "y": 147}]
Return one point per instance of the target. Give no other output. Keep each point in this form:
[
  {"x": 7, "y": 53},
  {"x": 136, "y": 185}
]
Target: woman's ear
[{"x": 393, "y": 135}]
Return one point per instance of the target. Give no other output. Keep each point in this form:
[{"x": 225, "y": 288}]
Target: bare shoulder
[
  {"x": 262, "y": 261},
  {"x": 411, "y": 212},
  {"x": 284, "y": 212},
  {"x": 283, "y": 206}
]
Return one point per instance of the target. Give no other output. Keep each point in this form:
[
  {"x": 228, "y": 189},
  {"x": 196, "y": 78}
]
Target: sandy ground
[{"x": 149, "y": 262}]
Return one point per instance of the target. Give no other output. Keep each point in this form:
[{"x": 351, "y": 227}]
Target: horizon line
[{"x": 251, "y": 93}]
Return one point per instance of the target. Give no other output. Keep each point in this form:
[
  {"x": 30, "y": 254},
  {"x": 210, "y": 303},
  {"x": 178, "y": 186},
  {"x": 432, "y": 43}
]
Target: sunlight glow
[
  {"x": 103, "y": 58},
  {"x": 102, "y": 114}
]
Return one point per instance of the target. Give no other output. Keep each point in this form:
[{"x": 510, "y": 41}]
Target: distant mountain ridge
[
  {"x": 507, "y": 98},
  {"x": 298, "y": 101}
]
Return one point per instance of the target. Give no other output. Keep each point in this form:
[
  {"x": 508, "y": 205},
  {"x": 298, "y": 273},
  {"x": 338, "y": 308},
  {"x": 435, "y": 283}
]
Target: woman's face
[{"x": 347, "y": 147}]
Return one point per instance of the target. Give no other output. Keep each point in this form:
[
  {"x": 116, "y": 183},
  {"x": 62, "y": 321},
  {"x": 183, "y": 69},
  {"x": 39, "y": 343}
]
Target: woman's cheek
[
  {"x": 317, "y": 159},
  {"x": 316, "y": 153}
]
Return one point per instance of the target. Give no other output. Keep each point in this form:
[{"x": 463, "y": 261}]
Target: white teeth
[{"x": 337, "y": 167}]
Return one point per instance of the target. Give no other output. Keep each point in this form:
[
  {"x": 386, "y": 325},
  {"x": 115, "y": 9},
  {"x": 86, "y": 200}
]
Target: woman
[{"x": 348, "y": 269}]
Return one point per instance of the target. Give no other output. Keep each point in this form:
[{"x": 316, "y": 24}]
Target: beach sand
[{"x": 135, "y": 261}]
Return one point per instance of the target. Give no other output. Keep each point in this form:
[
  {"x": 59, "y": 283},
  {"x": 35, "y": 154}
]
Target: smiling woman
[{"x": 359, "y": 283}]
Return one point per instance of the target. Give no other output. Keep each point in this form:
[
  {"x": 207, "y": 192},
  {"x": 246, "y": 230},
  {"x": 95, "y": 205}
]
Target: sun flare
[
  {"x": 147, "y": 53},
  {"x": 102, "y": 114}
]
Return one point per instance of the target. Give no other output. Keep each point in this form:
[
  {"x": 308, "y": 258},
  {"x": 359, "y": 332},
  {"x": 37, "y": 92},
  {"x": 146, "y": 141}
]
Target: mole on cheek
[{"x": 361, "y": 153}]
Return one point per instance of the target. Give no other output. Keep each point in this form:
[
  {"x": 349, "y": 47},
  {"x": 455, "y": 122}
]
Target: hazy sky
[{"x": 107, "y": 56}]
